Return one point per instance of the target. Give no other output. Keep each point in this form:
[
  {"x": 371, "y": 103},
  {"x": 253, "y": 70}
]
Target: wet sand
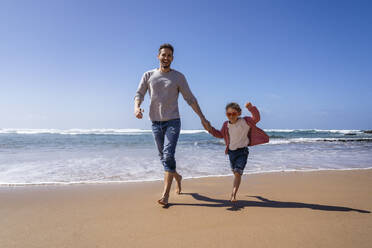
[{"x": 288, "y": 209}]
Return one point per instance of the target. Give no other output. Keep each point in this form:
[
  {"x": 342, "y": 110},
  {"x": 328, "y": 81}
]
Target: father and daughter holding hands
[{"x": 164, "y": 85}]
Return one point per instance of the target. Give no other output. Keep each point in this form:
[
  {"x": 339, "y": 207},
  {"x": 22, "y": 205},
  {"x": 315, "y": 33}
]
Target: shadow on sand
[{"x": 210, "y": 202}]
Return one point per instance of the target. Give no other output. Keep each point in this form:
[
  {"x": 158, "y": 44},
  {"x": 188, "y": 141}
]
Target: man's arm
[
  {"x": 191, "y": 100},
  {"x": 140, "y": 95},
  {"x": 195, "y": 106},
  {"x": 137, "y": 109}
]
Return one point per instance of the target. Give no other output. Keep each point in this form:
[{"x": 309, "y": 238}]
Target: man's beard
[{"x": 165, "y": 65}]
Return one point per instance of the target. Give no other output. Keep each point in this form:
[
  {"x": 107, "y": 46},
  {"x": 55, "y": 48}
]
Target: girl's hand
[{"x": 248, "y": 105}]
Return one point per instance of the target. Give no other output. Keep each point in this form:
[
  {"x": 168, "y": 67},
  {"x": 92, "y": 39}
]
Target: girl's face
[{"x": 232, "y": 115}]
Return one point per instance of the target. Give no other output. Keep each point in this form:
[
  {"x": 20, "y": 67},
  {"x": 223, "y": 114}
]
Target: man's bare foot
[
  {"x": 233, "y": 199},
  {"x": 163, "y": 201},
  {"x": 178, "y": 180}
]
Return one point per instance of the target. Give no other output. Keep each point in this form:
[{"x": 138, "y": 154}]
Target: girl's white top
[{"x": 238, "y": 133}]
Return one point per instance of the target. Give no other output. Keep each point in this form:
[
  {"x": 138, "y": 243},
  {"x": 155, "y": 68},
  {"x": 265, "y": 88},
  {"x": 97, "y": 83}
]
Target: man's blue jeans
[{"x": 166, "y": 135}]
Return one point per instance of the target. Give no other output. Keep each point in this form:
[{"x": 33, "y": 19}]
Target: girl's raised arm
[{"x": 254, "y": 111}]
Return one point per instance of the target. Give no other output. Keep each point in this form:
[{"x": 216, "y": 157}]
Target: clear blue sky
[{"x": 77, "y": 64}]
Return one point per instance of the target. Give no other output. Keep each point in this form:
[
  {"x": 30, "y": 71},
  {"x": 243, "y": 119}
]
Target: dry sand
[{"x": 292, "y": 209}]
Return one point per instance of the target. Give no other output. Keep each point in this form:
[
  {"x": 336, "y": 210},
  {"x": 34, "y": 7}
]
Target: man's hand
[
  {"x": 138, "y": 113},
  {"x": 206, "y": 124},
  {"x": 248, "y": 105}
]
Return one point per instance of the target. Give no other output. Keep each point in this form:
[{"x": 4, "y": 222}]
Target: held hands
[
  {"x": 206, "y": 124},
  {"x": 248, "y": 105},
  {"x": 138, "y": 113}
]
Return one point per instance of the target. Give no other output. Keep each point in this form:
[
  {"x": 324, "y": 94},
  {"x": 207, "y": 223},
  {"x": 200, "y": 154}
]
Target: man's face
[{"x": 165, "y": 57}]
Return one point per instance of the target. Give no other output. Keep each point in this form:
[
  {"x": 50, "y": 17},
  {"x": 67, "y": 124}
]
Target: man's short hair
[
  {"x": 233, "y": 105},
  {"x": 166, "y": 45}
]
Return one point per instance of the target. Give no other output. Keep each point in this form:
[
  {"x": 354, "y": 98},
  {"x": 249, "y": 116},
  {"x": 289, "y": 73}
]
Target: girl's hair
[{"x": 233, "y": 105}]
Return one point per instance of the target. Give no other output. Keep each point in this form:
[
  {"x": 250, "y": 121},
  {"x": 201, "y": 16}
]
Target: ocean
[{"x": 51, "y": 156}]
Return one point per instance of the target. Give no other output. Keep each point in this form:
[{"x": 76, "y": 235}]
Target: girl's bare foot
[
  {"x": 163, "y": 201},
  {"x": 178, "y": 180}
]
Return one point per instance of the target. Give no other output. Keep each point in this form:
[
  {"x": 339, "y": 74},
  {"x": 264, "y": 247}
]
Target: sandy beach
[{"x": 288, "y": 209}]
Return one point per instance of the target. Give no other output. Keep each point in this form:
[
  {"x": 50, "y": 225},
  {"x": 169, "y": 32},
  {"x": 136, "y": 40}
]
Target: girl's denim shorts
[{"x": 238, "y": 159}]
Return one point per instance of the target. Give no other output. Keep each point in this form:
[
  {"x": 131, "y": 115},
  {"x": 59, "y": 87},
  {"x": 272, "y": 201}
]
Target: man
[{"x": 164, "y": 84}]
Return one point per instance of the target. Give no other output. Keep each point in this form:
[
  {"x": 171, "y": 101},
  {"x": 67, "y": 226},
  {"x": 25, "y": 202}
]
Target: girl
[{"x": 239, "y": 133}]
